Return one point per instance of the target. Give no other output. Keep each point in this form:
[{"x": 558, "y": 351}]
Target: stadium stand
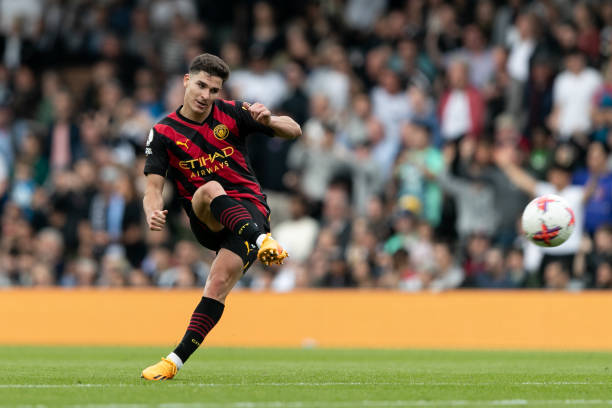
[{"x": 411, "y": 113}]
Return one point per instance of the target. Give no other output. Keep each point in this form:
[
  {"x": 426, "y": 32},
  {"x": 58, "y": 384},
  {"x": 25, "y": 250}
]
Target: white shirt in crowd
[
  {"x": 518, "y": 59},
  {"x": 268, "y": 87},
  {"x": 392, "y": 110},
  {"x": 331, "y": 83},
  {"x": 573, "y": 94},
  {"x": 456, "y": 116},
  {"x": 298, "y": 237}
]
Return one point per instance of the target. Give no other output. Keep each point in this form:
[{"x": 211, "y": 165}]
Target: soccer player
[{"x": 202, "y": 148}]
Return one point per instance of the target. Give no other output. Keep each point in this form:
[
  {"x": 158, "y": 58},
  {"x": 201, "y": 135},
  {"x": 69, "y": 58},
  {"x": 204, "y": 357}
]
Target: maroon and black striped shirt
[{"x": 191, "y": 153}]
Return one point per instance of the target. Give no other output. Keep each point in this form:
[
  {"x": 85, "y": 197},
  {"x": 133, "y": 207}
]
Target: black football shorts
[{"x": 225, "y": 238}]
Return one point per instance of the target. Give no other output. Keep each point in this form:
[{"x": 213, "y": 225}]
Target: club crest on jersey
[
  {"x": 179, "y": 143},
  {"x": 221, "y": 131}
]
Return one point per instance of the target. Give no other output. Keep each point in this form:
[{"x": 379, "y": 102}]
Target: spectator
[
  {"x": 461, "y": 107},
  {"x": 592, "y": 253},
  {"x": 515, "y": 270},
  {"x": 115, "y": 270},
  {"x": 539, "y": 92},
  {"x": 495, "y": 275},
  {"x": 6, "y": 134},
  {"x": 604, "y": 276},
  {"x": 295, "y": 103},
  {"x": 189, "y": 270},
  {"x": 41, "y": 275},
  {"x": 476, "y": 54},
  {"x": 63, "y": 145},
  {"x": 354, "y": 127},
  {"x": 475, "y": 163},
  {"x": 361, "y": 14},
  {"x": 258, "y": 83},
  {"x": 473, "y": 216},
  {"x": 601, "y": 109},
  {"x": 337, "y": 274},
  {"x": 390, "y": 105},
  {"x": 446, "y": 274},
  {"x": 573, "y": 93},
  {"x": 336, "y": 215},
  {"x": 416, "y": 172},
  {"x": 556, "y": 276},
  {"x": 404, "y": 275},
  {"x": 559, "y": 182},
  {"x": 522, "y": 44},
  {"x": 598, "y": 208},
  {"x": 107, "y": 208},
  {"x": 423, "y": 111},
  {"x": 318, "y": 164},
  {"x": 474, "y": 263},
  {"x": 331, "y": 78},
  {"x": 298, "y": 234},
  {"x": 588, "y": 33},
  {"x": 50, "y": 250}
]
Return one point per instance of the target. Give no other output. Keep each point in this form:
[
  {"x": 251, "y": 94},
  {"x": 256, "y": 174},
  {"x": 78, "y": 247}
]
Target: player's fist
[
  {"x": 259, "y": 113},
  {"x": 157, "y": 220}
]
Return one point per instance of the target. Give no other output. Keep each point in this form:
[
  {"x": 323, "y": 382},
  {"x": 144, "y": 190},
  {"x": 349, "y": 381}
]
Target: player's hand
[
  {"x": 157, "y": 220},
  {"x": 259, "y": 113}
]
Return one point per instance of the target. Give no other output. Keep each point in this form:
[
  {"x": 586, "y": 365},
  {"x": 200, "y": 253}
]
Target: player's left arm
[{"x": 282, "y": 126}]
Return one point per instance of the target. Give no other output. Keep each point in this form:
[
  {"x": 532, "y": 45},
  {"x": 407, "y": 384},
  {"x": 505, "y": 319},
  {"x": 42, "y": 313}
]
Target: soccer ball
[{"x": 548, "y": 221}]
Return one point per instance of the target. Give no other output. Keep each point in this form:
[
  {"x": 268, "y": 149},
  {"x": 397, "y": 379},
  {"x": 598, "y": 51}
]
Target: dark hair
[
  {"x": 211, "y": 64},
  {"x": 574, "y": 52},
  {"x": 558, "y": 166}
]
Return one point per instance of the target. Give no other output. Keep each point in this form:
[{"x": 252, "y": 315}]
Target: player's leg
[
  {"x": 225, "y": 271},
  {"x": 214, "y": 207}
]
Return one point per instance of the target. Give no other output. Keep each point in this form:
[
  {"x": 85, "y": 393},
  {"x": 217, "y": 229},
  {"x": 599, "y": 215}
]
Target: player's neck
[{"x": 193, "y": 116}]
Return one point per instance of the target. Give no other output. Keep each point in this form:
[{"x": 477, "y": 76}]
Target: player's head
[{"x": 204, "y": 81}]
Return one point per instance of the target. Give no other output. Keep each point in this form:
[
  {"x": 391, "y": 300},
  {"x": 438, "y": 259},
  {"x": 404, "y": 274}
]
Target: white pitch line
[
  {"x": 303, "y": 384},
  {"x": 348, "y": 404}
]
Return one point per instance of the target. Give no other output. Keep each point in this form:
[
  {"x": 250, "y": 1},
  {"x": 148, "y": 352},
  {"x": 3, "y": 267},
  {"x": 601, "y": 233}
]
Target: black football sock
[
  {"x": 235, "y": 217},
  {"x": 205, "y": 316}
]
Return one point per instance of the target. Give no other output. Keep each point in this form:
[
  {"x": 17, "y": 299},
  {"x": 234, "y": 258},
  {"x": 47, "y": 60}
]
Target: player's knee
[{"x": 207, "y": 192}]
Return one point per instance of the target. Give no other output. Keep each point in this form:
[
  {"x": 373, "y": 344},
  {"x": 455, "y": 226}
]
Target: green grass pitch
[{"x": 107, "y": 377}]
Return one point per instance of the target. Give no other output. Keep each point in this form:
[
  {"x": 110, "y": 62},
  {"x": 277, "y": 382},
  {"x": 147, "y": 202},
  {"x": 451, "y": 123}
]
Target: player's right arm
[
  {"x": 156, "y": 166},
  {"x": 153, "y": 202}
]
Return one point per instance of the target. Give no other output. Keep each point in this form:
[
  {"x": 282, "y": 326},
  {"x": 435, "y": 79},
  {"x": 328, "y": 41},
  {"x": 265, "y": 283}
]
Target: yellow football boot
[
  {"x": 164, "y": 370},
  {"x": 271, "y": 252}
]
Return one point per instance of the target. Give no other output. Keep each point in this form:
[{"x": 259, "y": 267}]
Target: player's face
[{"x": 201, "y": 90}]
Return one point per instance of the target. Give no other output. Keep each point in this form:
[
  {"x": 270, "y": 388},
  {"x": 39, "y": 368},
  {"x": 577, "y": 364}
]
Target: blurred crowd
[{"x": 428, "y": 125}]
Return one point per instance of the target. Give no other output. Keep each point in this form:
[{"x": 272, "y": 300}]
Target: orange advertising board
[{"x": 335, "y": 318}]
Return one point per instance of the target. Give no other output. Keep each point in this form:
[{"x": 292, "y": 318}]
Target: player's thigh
[
  {"x": 206, "y": 236},
  {"x": 206, "y": 216}
]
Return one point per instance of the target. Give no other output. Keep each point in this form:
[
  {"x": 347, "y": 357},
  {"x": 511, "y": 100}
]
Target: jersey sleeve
[
  {"x": 156, "y": 155},
  {"x": 246, "y": 123}
]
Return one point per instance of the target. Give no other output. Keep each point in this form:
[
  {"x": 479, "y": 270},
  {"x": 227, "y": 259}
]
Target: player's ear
[{"x": 185, "y": 80}]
